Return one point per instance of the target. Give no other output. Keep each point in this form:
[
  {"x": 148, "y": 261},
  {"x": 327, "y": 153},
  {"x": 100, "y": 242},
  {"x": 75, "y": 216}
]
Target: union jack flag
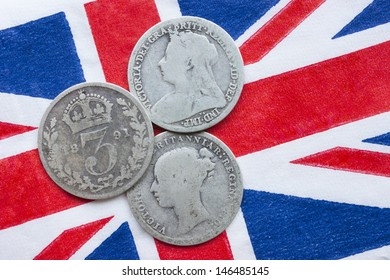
[{"x": 311, "y": 130}]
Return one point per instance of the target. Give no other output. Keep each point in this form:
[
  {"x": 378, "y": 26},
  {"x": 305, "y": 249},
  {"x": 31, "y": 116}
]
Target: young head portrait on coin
[
  {"x": 191, "y": 191},
  {"x": 187, "y": 64},
  {"x": 180, "y": 188}
]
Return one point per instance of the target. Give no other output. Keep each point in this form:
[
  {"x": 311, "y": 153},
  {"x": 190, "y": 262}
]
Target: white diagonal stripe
[
  {"x": 311, "y": 42},
  {"x": 239, "y": 240},
  {"x": 270, "y": 170},
  {"x": 17, "y": 144},
  {"x": 22, "y": 109},
  {"x": 168, "y": 9}
]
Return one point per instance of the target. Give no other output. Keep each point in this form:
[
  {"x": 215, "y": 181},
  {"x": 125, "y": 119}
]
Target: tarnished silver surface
[
  {"x": 95, "y": 140},
  {"x": 191, "y": 191},
  {"x": 187, "y": 72}
]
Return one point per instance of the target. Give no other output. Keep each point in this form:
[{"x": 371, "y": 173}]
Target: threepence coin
[
  {"x": 191, "y": 191},
  {"x": 95, "y": 140},
  {"x": 187, "y": 72}
]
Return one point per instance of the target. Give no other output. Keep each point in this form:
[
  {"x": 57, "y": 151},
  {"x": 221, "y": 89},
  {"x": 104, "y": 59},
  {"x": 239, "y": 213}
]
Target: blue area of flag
[
  {"x": 118, "y": 246},
  {"x": 233, "y": 16},
  {"x": 383, "y": 139},
  {"x": 377, "y": 13},
  {"x": 287, "y": 227},
  {"x": 39, "y": 58}
]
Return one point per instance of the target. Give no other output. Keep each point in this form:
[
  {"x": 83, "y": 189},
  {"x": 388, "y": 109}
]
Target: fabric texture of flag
[{"x": 311, "y": 131}]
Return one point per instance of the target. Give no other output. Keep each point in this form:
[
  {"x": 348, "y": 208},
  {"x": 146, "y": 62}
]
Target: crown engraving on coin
[
  {"x": 87, "y": 110},
  {"x": 95, "y": 140}
]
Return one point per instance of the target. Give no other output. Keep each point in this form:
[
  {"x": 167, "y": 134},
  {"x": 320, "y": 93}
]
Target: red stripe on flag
[
  {"x": 275, "y": 30},
  {"x": 27, "y": 192},
  {"x": 215, "y": 249},
  {"x": 308, "y": 100},
  {"x": 68, "y": 242},
  {"x": 352, "y": 160},
  {"x": 116, "y": 27},
  {"x": 9, "y": 129}
]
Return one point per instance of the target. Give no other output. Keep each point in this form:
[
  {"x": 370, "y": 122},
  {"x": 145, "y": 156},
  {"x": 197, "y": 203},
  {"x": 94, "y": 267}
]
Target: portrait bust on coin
[
  {"x": 190, "y": 192},
  {"x": 187, "y": 64},
  {"x": 180, "y": 188},
  {"x": 187, "y": 73}
]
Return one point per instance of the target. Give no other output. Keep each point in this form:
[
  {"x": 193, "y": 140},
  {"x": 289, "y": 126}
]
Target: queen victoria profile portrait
[
  {"x": 187, "y": 65},
  {"x": 180, "y": 176}
]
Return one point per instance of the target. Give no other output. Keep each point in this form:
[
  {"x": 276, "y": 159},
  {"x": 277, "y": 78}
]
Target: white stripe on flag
[
  {"x": 17, "y": 12},
  {"x": 85, "y": 44},
  {"x": 311, "y": 42},
  {"x": 239, "y": 240},
  {"x": 270, "y": 170},
  {"x": 22, "y": 109},
  {"x": 17, "y": 144},
  {"x": 119, "y": 207},
  {"x": 168, "y": 9},
  {"x": 262, "y": 21}
]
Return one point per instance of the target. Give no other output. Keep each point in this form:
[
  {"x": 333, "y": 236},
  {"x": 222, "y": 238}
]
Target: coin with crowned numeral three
[{"x": 95, "y": 140}]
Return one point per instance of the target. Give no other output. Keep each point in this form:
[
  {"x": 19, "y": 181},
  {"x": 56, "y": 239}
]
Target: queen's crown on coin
[{"x": 87, "y": 110}]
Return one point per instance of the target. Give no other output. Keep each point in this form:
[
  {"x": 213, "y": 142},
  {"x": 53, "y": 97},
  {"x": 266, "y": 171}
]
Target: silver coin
[
  {"x": 187, "y": 72},
  {"x": 191, "y": 191},
  {"x": 95, "y": 140}
]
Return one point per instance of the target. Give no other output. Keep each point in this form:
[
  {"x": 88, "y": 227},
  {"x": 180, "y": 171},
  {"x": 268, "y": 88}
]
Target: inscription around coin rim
[
  {"x": 204, "y": 119},
  {"x": 217, "y": 224}
]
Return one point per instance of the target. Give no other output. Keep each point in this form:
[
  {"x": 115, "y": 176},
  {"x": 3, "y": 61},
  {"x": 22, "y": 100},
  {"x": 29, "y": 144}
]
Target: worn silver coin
[
  {"x": 187, "y": 72},
  {"x": 191, "y": 191},
  {"x": 95, "y": 140}
]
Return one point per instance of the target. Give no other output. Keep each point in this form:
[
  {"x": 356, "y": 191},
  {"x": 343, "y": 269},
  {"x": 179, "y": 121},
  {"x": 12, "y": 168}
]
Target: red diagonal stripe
[
  {"x": 352, "y": 160},
  {"x": 215, "y": 249},
  {"x": 65, "y": 245},
  {"x": 308, "y": 100},
  {"x": 275, "y": 30},
  {"x": 9, "y": 129},
  {"x": 27, "y": 192}
]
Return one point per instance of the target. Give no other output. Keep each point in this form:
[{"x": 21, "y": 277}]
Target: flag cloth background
[{"x": 311, "y": 130}]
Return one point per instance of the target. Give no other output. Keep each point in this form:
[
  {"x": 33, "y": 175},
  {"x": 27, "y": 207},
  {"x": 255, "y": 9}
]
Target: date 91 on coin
[{"x": 95, "y": 140}]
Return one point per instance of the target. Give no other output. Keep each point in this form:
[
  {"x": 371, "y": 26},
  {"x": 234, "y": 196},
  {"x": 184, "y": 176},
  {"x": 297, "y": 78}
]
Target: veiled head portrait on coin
[
  {"x": 187, "y": 65},
  {"x": 179, "y": 179}
]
